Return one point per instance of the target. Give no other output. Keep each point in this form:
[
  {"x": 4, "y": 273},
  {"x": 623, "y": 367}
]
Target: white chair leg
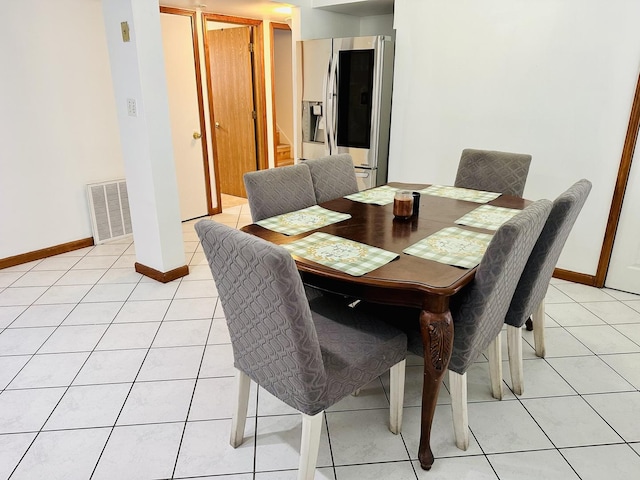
[
  {"x": 458, "y": 387},
  {"x": 239, "y": 416},
  {"x": 396, "y": 396},
  {"x": 311, "y": 429},
  {"x": 514, "y": 344},
  {"x": 494, "y": 352},
  {"x": 538, "y": 329},
  {"x": 356, "y": 393}
]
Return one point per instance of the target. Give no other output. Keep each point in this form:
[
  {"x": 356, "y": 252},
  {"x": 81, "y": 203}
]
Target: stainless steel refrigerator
[{"x": 346, "y": 102}]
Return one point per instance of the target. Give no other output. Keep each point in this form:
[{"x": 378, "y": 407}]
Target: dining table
[{"x": 408, "y": 280}]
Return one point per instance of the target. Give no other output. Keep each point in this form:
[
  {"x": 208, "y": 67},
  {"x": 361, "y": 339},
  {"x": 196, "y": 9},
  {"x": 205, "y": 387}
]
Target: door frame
[
  {"x": 259, "y": 90},
  {"x": 275, "y": 26},
  {"x": 203, "y": 124},
  {"x": 619, "y": 191}
]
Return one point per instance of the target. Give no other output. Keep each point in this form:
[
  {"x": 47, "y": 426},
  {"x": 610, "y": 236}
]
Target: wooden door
[
  {"x": 187, "y": 137},
  {"x": 233, "y": 106}
]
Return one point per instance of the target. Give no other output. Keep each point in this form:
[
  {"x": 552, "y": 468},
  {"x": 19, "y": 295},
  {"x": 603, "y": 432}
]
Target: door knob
[
  {"x": 217, "y": 124},
  {"x": 196, "y": 135}
]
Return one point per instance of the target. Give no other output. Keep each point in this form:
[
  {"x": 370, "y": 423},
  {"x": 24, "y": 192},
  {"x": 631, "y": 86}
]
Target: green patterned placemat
[
  {"x": 304, "y": 220},
  {"x": 378, "y": 196},
  {"x": 467, "y": 194},
  {"x": 487, "y": 216},
  {"x": 345, "y": 255},
  {"x": 453, "y": 246}
]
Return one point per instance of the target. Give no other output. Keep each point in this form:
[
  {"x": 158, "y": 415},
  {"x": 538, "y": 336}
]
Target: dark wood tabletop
[{"x": 407, "y": 281}]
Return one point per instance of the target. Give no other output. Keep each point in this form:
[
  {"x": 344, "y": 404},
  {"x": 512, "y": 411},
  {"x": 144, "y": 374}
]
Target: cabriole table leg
[{"x": 437, "y": 338}]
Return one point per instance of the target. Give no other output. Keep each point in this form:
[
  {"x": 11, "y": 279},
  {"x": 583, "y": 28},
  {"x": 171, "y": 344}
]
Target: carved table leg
[{"x": 437, "y": 338}]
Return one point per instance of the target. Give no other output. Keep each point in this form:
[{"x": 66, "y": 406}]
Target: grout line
[
  {"x": 136, "y": 376},
  {"x": 74, "y": 377},
  {"x": 198, "y": 377},
  {"x": 193, "y": 393}
]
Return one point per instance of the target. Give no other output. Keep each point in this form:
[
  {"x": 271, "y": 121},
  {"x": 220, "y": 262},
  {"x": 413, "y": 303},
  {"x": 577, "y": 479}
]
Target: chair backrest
[
  {"x": 478, "y": 311},
  {"x": 537, "y": 273},
  {"x": 279, "y": 190},
  {"x": 333, "y": 177},
  {"x": 493, "y": 171},
  {"x": 270, "y": 323}
]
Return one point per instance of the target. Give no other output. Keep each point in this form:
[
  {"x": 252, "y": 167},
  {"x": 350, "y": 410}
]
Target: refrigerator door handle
[
  {"x": 326, "y": 107},
  {"x": 332, "y": 99},
  {"x": 377, "y": 94}
]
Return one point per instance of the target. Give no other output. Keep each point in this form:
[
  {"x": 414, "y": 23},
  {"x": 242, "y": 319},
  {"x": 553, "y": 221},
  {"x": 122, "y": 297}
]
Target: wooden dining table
[{"x": 407, "y": 281}]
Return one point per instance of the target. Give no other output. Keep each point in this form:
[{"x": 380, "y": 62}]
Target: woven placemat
[
  {"x": 302, "y": 221},
  {"x": 345, "y": 255},
  {"x": 488, "y": 217},
  {"x": 466, "y": 194},
  {"x": 378, "y": 196},
  {"x": 453, "y": 246}
]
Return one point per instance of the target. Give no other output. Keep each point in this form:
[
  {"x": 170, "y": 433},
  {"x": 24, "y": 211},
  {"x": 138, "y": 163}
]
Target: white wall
[
  {"x": 59, "y": 128},
  {"x": 377, "y": 25},
  {"x": 551, "y": 78},
  {"x": 314, "y": 23}
]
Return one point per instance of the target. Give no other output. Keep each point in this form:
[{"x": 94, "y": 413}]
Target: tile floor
[{"x": 106, "y": 374}]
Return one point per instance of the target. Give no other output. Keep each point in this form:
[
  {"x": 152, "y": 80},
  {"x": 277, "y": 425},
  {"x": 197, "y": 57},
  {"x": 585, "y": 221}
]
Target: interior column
[{"x": 138, "y": 74}]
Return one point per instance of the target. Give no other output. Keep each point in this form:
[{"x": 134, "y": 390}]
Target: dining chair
[
  {"x": 478, "y": 311},
  {"x": 333, "y": 177},
  {"x": 309, "y": 354},
  {"x": 528, "y": 299},
  {"x": 279, "y": 190},
  {"x": 493, "y": 171}
]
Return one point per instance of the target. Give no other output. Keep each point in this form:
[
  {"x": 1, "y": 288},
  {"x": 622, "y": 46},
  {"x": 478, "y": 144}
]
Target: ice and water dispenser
[{"x": 313, "y": 125}]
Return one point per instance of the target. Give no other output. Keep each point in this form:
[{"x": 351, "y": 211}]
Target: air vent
[{"x": 109, "y": 206}]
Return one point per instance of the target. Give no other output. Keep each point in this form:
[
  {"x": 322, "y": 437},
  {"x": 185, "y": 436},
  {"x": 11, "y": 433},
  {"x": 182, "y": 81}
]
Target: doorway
[
  {"x": 186, "y": 108},
  {"x": 620, "y": 256},
  {"x": 282, "y": 93},
  {"x": 235, "y": 80},
  {"x": 624, "y": 268}
]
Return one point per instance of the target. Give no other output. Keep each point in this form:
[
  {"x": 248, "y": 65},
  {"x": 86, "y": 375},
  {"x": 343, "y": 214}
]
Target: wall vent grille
[{"x": 109, "y": 207}]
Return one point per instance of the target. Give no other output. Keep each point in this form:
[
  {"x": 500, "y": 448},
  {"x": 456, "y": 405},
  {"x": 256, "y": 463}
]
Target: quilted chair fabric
[
  {"x": 478, "y": 311},
  {"x": 279, "y": 190},
  {"x": 537, "y": 273},
  {"x": 493, "y": 171},
  {"x": 308, "y": 354},
  {"x": 333, "y": 177}
]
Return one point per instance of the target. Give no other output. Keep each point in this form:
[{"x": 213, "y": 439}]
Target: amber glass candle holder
[{"x": 403, "y": 204}]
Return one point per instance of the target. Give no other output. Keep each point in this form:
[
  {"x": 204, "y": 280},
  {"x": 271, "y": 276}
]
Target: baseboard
[
  {"x": 179, "y": 272},
  {"x": 159, "y": 276},
  {"x": 45, "y": 252},
  {"x": 575, "y": 277}
]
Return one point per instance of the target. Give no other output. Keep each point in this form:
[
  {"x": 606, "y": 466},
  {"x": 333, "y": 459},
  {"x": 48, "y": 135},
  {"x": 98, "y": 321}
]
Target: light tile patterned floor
[{"x": 106, "y": 374}]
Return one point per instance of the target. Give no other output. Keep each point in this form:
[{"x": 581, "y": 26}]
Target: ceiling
[
  {"x": 266, "y": 8},
  {"x": 263, "y": 9}
]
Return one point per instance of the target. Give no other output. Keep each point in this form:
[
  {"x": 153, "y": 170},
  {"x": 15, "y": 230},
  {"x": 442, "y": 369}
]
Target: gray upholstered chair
[
  {"x": 311, "y": 354},
  {"x": 279, "y": 190},
  {"x": 333, "y": 177},
  {"x": 528, "y": 299},
  {"x": 493, "y": 171},
  {"x": 478, "y": 311}
]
